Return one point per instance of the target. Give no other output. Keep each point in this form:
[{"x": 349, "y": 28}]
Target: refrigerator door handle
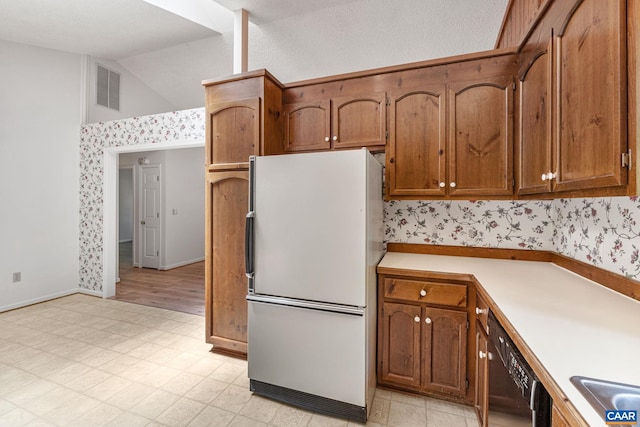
[{"x": 249, "y": 247}]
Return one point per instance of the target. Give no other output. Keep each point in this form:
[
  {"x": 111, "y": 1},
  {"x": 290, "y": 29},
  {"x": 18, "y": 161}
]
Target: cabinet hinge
[
  {"x": 513, "y": 183},
  {"x": 387, "y": 101},
  {"x": 466, "y": 383},
  {"x": 626, "y": 159},
  {"x": 157, "y": 253},
  {"x": 157, "y": 178},
  {"x": 467, "y": 325},
  {"x": 513, "y": 85},
  {"x": 386, "y": 134},
  {"x": 157, "y": 214}
]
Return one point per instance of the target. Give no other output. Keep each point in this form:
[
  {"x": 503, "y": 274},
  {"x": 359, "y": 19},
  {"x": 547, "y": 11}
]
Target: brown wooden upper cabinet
[
  {"x": 481, "y": 137},
  {"x": 417, "y": 142},
  {"x": 235, "y": 131},
  {"x": 452, "y": 140},
  {"x": 535, "y": 123},
  {"x": 342, "y": 122},
  {"x": 573, "y": 103}
]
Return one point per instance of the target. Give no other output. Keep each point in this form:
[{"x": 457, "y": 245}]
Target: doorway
[{"x": 173, "y": 283}]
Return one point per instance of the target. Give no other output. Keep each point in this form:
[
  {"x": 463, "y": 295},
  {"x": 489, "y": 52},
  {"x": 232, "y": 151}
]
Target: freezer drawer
[{"x": 312, "y": 351}]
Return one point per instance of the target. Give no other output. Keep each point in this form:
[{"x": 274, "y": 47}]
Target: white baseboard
[
  {"x": 180, "y": 264},
  {"x": 91, "y": 292},
  {"x": 39, "y": 299}
]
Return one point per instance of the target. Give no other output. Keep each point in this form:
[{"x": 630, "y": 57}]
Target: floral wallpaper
[
  {"x": 186, "y": 125},
  {"x": 505, "y": 224},
  {"x": 604, "y": 232}
]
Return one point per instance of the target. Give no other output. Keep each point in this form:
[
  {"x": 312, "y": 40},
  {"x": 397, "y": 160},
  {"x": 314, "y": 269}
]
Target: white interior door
[{"x": 150, "y": 191}]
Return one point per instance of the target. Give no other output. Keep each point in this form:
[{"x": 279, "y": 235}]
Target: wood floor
[{"x": 178, "y": 289}]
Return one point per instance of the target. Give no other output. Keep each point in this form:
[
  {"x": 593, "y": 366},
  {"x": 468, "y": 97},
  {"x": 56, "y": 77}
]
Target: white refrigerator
[{"x": 313, "y": 240}]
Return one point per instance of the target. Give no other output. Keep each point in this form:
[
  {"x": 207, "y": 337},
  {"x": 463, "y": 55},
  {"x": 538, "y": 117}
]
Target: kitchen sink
[{"x": 606, "y": 395}]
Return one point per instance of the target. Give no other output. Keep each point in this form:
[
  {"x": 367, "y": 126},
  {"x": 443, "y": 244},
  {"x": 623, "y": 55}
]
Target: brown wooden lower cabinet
[
  {"x": 226, "y": 202},
  {"x": 482, "y": 376},
  {"x": 557, "y": 419},
  {"x": 421, "y": 347}
]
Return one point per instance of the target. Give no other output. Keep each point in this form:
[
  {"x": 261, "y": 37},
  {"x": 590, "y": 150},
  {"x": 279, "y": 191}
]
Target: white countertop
[{"x": 573, "y": 325}]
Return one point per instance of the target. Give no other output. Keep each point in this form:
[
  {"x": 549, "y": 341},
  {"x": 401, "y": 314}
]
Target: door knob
[
  {"x": 427, "y": 320},
  {"x": 416, "y": 319},
  {"x": 326, "y": 139},
  {"x": 142, "y": 222},
  {"x": 423, "y": 293},
  {"x": 442, "y": 184},
  {"x": 452, "y": 185}
]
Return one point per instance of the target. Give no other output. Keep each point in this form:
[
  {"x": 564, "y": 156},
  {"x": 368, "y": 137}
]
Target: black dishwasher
[{"x": 516, "y": 396}]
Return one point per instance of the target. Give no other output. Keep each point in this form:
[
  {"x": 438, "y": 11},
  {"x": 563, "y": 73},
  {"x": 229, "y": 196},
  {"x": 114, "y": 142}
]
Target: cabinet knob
[
  {"x": 544, "y": 176},
  {"x": 335, "y": 137},
  {"x": 416, "y": 319},
  {"x": 442, "y": 184},
  {"x": 480, "y": 311},
  {"x": 423, "y": 293},
  {"x": 551, "y": 175},
  {"x": 482, "y": 354},
  {"x": 452, "y": 184},
  {"x": 427, "y": 320},
  {"x": 326, "y": 139}
]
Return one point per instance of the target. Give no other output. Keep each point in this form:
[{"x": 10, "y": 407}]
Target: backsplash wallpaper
[{"x": 603, "y": 232}]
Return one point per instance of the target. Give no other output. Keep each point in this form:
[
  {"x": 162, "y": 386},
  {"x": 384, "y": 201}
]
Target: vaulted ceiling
[{"x": 294, "y": 39}]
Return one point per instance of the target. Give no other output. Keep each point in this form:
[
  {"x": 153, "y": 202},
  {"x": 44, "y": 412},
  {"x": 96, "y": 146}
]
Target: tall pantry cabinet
[{"x": 243, "y": 118}]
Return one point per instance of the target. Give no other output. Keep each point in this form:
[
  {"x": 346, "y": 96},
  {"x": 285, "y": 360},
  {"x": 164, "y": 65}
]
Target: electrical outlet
[{"x": 17, "y": 277}]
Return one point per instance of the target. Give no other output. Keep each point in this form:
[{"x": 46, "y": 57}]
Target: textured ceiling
[
  {"x": 262, "y": 11},
  {"x": 294, "y": 39},
  {"x": 115, "y": 29}
]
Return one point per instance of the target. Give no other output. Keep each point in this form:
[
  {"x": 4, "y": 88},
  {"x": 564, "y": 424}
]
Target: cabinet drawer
[
  {"x": 482, "y": 312},
  {"x": 454, "y": 295}
]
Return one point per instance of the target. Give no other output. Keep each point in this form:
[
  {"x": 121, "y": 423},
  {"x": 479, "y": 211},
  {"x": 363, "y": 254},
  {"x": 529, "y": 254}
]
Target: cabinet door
[
  {"x": 399, "y": 361},
  {"x": 481, "y": 137},
  {"x": 535, "y": 124},
  {"x": 592, "y": 93},
  {"x": 416, "y": 156},
  {"x": 359, "y": 121},
  {"x": 482, "y": 371},
  {"x": 307, "y": 126},
  {"x": 557, "y": 419},
  {"x": 225, "y": 280},
  {"x": 233, "y": 131},
  {"x": 444, "y": 343}
]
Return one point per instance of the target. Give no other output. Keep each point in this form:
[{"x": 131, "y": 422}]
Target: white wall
[
  {"x": 136, "y": 98},
  {"x": 349, "y": 37},
  {"x": 39, "y": 173},
  {"x": 184, "y": 207},
  {"x": 125, "y": 205}
]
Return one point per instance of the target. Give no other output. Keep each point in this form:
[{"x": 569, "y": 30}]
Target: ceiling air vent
[{"x": 108, "y": 88}]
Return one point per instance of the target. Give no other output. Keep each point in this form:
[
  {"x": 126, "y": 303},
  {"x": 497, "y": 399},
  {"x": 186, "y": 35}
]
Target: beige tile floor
[{"x": 85, "y": 361}]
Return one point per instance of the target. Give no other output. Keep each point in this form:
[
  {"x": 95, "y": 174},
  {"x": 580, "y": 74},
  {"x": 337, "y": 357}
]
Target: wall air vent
[{"x": 107, "y": 88}]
